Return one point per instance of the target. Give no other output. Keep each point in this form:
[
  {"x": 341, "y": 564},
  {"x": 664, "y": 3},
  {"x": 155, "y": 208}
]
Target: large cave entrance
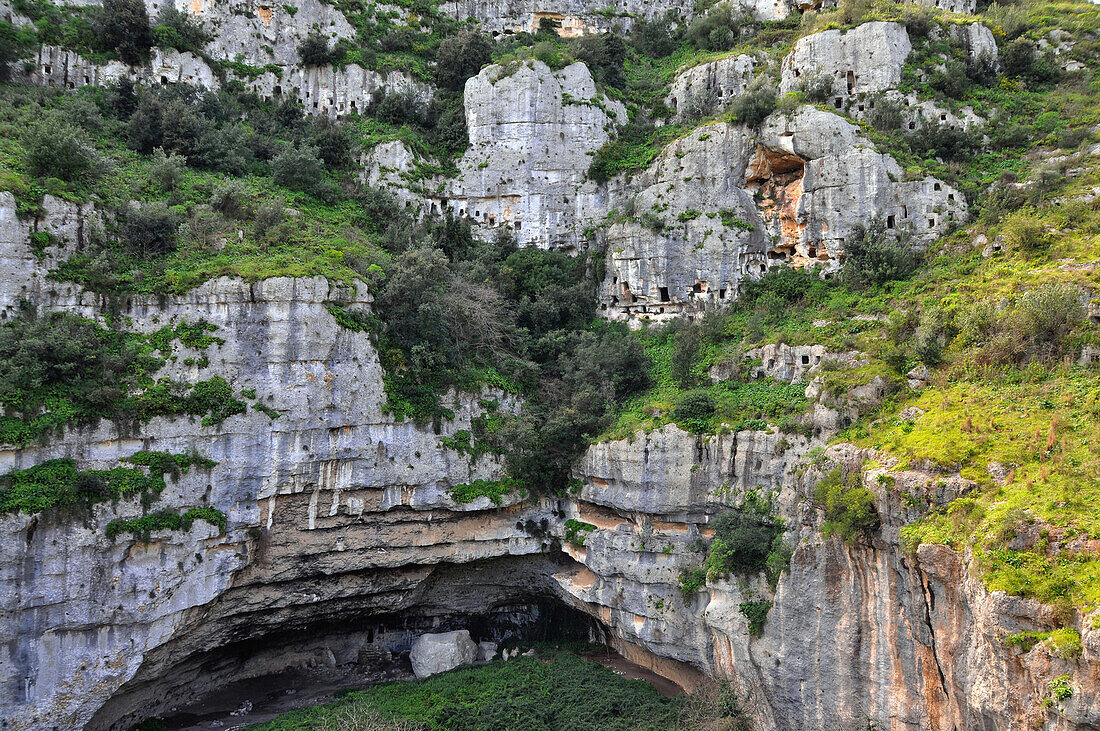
[{"x": 238, "y": 668}]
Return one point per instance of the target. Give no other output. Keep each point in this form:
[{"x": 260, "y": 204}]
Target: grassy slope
[{"x": 555, "y": 690}]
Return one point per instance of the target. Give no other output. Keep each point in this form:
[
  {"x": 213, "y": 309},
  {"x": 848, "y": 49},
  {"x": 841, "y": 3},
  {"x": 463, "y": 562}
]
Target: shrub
[
  {"x": 123, "y": 25},
  {"x": 871, "y": 257},
  {"x": 333, "y": 142},
  {"x": 314, "y": 50},
  {"x": 228, "y": 199},
  {"x": 149, "y": 229},
  {"x": 757, "y": 613},
  {"x": 177, "y": 29},
  {"x": 1049, "y": 313},
  {"x": 691, "y": 581},
  {"x": 849, "y": 507},
  {"x": 165, "y": 171},
  {"x": 576, "y": 531},
  {"x": 460, "y": 57},
  {"x": 918, "y": 22},
  {"x": 695, "y": 410},
  {"x": 56, "y": 150},
  {"x": 932, "y": 334},
  {"x": 886, "y": 114},
  {"x": 718, "y": 30},
  {"x": 1023, "y": 231},
  {"x": 817, "y": 87},
  {"x": 686, "y": 341},
  {"x": 975, "y": 321},
  {"x": 299, "y": 168},
  {"x": 755, "y": 104},
  {"x": 604, "y": 54},
  {"x": 15, "y": 44},
  {"x": 745, "y": 539}
]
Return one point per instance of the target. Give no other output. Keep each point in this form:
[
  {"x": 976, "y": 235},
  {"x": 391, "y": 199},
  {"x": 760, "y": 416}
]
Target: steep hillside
[{"x": 757, "y": 341}]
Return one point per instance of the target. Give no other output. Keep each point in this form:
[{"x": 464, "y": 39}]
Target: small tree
[
  {"x": 871, "y": 257},
  {"x": 123, "y": 25},
  {"x": 314, "y": 50},
  {"x": 151, "y": 229},
  {"x": 756, "y": 103},
  {"x": 56, "y": 150},
  {"x": 460, "y": 57},
  {"x": 695, "y": 410},
  {"x": 299, "y": 168},
  {"x": 177, "y": 29}
]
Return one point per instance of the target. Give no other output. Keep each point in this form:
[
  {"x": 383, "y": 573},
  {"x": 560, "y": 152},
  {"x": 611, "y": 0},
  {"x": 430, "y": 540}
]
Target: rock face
[
  {"x": 818, "y": 179},
  {"x": 910, "y": 642},
  {"x": 690, "y": 235},
  {"x": 866, "y": 59},
  {"x": 723, "y": 203},
  {"x": 439, "y": 653},
  {"x": 262, "y": 37},
  {"x": 710, "y": 87},
  {"x": 532, "y": 133},
  {"x": 573, "y": 18},
  {"x": 340, "y": 516}
]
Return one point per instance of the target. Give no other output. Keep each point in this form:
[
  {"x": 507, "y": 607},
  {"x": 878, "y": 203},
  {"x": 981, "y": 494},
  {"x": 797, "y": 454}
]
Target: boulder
[
  {"x": 439, "y": 653},
  {"x": 486, "y": 651}
]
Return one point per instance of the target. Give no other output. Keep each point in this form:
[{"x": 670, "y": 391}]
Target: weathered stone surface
[
  {"x": 532, "y": 132},
  {"x": 866, "y": 59},
  {"x": 709, "y": 87},
  {"x": 53, "y": 66},
  {"x": 690, "y": 235},
  {"x": 438, "y": 653},
  {"x": 817, "y": 180}
]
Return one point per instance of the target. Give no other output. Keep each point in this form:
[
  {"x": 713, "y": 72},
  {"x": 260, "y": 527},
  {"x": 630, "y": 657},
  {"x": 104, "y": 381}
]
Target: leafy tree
[
  {"x": 57, "y": 150},
  {"x": 299, "y": 168},
  {"x": 314, "y": 50},
  {"x": 149, "y": 229},
  {"x": 179, "y": 30},
  {"x": 123, "y": 25},
  {"x": 15, "y": 43},
  {"x": 756, "y": 103},
  {"x": 460, "y": 57},
  {"x": 695, "y": 410},
  {"x": 872, "y": 257}
]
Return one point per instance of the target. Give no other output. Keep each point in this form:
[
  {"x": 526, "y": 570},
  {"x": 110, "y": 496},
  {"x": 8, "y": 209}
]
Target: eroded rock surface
[{"x": 532, "y": 135}]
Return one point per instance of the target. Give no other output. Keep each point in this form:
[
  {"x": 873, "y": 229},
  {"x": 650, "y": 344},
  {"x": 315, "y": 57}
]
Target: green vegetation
[
  {"x": 576, "y": 531},
  {"x": 142, "y": 527},
  {"x": 691, "y": 581},
  {"x": 553, "y": 690},
  {"x": 58, "y": 369},
  {"x": 849, "y": 506},
  {"x": 1064, "y": 642},
  {"x": 58, "y": 483},
  {"x": 756, "y": 612},
  {"x": 495, "y": 490}
]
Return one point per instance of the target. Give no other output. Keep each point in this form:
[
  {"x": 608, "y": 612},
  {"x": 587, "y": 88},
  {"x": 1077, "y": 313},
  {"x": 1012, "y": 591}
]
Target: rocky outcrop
[
  {"x": 709, "y": 87},
  {"x": 438, "y": 653},
  {"x": 322, "y": 90},
  {"x": 574, "y": 18},
  {"x": 818, "y": 179},
  {"x": 54, "y": 66},
  {"x": 866, "y": 59},
  {"x": 532, "y": 133},
  {"x": 335, "y": 509},
  {"x": 690, "y": 235},
  {"x": 857, "y": 633}
]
